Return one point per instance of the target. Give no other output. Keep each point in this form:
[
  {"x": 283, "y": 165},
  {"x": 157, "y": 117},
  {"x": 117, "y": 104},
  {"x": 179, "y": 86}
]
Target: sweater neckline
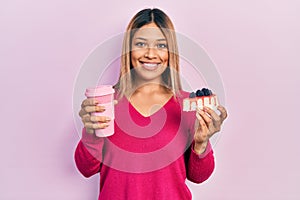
[{"x": 155, "y": 113}]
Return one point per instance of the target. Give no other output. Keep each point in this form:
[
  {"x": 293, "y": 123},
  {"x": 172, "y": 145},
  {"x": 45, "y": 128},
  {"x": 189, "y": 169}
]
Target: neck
[
  {"x": 149, "y": 86},
  {"x": 150, "y": 91},
  {"x": 141, "y": 81}
]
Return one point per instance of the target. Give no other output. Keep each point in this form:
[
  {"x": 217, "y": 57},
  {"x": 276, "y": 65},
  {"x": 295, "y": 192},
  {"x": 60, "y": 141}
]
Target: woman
[{"x": 156, "y": 146}]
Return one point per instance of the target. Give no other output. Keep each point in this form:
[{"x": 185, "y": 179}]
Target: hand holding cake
[{"x": 208, "y": 122}]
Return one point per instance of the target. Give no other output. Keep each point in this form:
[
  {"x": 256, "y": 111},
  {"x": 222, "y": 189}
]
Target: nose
[{"x": 151, "y": 53}]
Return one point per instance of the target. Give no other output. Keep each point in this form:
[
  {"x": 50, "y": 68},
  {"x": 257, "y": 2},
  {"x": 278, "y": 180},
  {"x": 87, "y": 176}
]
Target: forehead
[{"x": 149, "y": 32}]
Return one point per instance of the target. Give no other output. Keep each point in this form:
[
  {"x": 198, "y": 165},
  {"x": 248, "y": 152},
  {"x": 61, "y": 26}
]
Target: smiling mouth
[{"x": 150, "y": 66}]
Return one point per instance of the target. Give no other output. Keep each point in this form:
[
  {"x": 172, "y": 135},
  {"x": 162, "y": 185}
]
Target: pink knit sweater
[{"x": 147, "y": 157}]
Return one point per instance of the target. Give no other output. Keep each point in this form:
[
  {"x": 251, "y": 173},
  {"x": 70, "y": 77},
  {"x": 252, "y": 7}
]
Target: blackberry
[
  {"x": 205, "y": 91},
  {"x": 192, "y": 95},
  {"x": 199, "y": 93}
]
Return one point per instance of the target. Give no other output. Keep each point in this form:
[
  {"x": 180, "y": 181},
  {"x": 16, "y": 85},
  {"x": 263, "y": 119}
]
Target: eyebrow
[{"x": 140, "y": 38}]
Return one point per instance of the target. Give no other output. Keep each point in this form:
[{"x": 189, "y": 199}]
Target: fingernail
[
  {"x": 101, "y": 108},
  {"x": 108, "y": 119}
]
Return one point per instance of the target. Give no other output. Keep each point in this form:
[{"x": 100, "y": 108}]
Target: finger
[
  {"x": 223, "y": 114},
  {"x": 102, "y": 119},
  {"x": 201, "y": 132},
  {"x": 82, "y": 112},
  {"x": 86, "y": 118},
  {"x": 206, "y": 118},
  {"x": 95, "y": 125},
  {"x": 215, "y": 117},
  {"x": 89, "y": 102},
  {"x": 201, "y": 123},
  {"x": 90, "y": 109}
]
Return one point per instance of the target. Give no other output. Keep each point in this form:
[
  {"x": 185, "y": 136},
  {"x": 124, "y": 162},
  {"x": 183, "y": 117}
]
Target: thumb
[
  {"x": 200, "y": 123},
  {"x": 197, "y": 123}
]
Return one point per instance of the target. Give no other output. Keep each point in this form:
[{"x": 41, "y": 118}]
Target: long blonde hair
[{"x": 125, "y": 85}]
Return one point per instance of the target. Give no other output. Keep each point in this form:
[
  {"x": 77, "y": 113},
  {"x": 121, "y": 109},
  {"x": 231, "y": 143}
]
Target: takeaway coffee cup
[{"x": 104, "y": 94}]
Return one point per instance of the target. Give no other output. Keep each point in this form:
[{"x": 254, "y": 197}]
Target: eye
[
  {"x": 162, "y": 46},
  {"x": 140, "y": 44}
]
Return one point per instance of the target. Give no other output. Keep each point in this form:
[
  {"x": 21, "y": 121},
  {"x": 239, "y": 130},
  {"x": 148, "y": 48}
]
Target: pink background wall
[{"x": 254, "y": 44}]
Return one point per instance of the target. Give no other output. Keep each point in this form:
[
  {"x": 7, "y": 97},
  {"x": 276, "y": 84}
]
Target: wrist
[{"x": 200, "y": 148}]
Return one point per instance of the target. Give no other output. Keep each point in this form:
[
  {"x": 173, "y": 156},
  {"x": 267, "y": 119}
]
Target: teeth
[{"x": 150, "y": 64}]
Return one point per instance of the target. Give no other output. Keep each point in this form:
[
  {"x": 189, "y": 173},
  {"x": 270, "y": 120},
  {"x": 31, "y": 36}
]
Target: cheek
[
  {"x": 133, "y": 58},
  {"x": 164, "y": 56},
  {"x": 136, "y": 54}
]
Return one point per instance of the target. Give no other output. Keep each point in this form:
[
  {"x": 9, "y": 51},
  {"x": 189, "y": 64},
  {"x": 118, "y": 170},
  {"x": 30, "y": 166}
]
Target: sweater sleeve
[
  {"x": 199, "y": 167},
  {"x": 88, "y": 154}
]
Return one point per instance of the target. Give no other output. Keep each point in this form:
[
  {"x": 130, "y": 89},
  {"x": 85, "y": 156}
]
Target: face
[{"x": 149, "y": 55}]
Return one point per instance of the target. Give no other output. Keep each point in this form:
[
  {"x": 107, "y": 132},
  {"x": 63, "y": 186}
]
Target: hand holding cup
[
  {"x": 97, "y": 111},
  {"x": 93, "y": 122}
]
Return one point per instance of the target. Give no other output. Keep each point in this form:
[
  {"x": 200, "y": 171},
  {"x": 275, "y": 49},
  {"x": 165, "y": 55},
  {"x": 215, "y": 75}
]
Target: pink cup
[{"x": 105, "y": 97}]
